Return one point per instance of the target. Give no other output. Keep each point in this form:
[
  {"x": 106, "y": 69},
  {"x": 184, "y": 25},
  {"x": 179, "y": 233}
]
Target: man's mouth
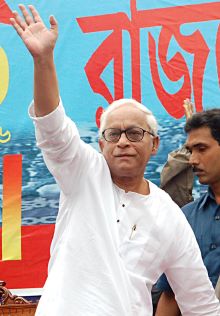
[
  {"x": 123, "y": 155},
  {"x": 198, "y": 171}
]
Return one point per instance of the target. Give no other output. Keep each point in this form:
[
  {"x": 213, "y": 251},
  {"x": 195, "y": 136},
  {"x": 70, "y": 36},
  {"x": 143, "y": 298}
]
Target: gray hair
[{"x": 150, "y": 118}]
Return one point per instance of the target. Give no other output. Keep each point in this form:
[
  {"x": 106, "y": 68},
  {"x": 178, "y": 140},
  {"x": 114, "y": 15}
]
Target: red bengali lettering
[
  {"x": 176, "y": 68},
  {"x": 5, "y": 13},
  {"x": 170, "y": 20}
]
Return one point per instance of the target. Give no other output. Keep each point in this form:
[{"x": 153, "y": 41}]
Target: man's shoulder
[
  {"x": 191, "y": 205},
  {"x": 156, "y": 191},
  {"x": 194, "y": 205},
  {"x": 163, "y": 199}
]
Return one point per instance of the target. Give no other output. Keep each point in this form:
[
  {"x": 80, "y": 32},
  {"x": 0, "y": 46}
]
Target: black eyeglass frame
[{"x": 125, "y": 131}]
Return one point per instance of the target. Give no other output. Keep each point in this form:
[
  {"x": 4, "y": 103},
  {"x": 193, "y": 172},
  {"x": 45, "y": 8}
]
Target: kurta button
[
  {"x": 123, "y": 205},
  {"x": 118, "y": 220},
  {"x": 213, "y": 246},
  {"x": 217, "y": 217}
]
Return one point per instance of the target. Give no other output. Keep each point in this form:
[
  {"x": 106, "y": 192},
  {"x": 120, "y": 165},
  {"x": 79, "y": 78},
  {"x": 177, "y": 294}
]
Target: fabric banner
[{"x": 157, "y": 52}]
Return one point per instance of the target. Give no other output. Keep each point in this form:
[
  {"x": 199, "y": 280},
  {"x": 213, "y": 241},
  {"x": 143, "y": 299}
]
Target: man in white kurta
[
  {"x": 98, "y": 265},
  {"x": 116, "y": 232}
]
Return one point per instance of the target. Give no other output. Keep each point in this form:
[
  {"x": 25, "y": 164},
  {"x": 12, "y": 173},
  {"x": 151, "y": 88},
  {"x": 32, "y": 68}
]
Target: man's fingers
[
  {"x": 19, "y": 21},
  {"x": 27, "y": 17},
  {"x": 16, "y": 26},
  {"x": 53, "y": 23},
  {"x": 186, "y": 101},
  {"x": 189, "y": 108},
  {"x": 35, "y": 14}
]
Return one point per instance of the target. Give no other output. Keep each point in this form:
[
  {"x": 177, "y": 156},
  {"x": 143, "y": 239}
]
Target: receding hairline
[
  {"x": 128, "y": 102},
  {"x": 124, "y": 106},
  {"x": 117, "y": 104}
]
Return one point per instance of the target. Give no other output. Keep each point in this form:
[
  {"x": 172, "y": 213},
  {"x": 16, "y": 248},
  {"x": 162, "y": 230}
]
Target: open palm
[{"x": 38, "y": 39}]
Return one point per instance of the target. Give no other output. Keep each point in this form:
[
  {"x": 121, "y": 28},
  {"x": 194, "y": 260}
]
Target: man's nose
[
  {"x": 123, "y": 141},
  {"x": 193, "y": 159}
]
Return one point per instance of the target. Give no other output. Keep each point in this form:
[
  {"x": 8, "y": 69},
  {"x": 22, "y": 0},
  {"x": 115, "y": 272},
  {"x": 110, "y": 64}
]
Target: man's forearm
[
  {"x": 40, "y": 42},
  {"x": 167, "y": 305},
  {"x": 46, "y": 92}
]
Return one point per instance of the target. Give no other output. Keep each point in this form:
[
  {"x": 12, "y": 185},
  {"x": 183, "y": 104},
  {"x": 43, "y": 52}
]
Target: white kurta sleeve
[
  {"x": 65, "y": 154},
  {"x": 187, "y": 274}
]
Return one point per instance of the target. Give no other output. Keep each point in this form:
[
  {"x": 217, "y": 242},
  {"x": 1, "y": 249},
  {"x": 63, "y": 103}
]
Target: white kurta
[{"x": 100, "y": 265}]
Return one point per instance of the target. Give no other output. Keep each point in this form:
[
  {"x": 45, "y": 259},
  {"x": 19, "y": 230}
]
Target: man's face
[
  {"x": 126, "y": 158},
  {"x": 205, "y": 155}
]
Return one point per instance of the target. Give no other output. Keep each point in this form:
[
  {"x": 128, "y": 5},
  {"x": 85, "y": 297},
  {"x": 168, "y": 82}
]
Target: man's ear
[
  {"x": 156, "y": 142},
  {"x": 101, "y": 144}
]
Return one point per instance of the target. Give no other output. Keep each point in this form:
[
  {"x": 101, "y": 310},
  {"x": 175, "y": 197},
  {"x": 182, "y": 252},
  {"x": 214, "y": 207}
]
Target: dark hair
[{"x": 208, "y": 118}]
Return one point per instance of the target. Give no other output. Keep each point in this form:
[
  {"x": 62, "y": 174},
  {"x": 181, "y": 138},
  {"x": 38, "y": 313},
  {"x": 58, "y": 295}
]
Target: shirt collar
[{"x": 206, "y": 198}]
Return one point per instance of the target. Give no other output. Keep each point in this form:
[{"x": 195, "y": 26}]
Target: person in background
[
  {"x": 203, "y": 143},
  {"x": 112, "y": 237},
  {"x": 177, "y": 176}
]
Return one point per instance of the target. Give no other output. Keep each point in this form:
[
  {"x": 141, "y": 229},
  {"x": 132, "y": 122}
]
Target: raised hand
[
  {"x": 189, "y": 108},
  {"x": 39, "y": 40}
]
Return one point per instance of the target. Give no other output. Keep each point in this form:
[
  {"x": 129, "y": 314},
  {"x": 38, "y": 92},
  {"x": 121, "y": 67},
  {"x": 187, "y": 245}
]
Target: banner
[{"x": 157, "y": 52}]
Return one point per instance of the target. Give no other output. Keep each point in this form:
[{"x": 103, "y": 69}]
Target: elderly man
[
  {"x": 203, "y": 142},
  {"x": 116, "y": 232}
]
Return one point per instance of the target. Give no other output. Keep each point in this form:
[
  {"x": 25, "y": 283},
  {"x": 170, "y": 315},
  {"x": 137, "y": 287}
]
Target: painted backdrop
[{"x": 158, "y": 52}]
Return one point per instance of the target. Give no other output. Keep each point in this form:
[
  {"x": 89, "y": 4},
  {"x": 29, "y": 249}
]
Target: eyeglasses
[{"x": 134, "y": 134}]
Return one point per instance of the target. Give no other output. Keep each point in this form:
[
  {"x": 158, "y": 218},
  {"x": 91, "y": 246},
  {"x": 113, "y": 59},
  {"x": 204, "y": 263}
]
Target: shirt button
[
  {"x": 213, "y": 246},
  {"x": 123, "y": 205},
  {"x": 217, "y": 217}
]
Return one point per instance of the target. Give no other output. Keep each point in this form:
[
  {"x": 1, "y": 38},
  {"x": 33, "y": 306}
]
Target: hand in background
[{"x": 189, "y": 108}]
